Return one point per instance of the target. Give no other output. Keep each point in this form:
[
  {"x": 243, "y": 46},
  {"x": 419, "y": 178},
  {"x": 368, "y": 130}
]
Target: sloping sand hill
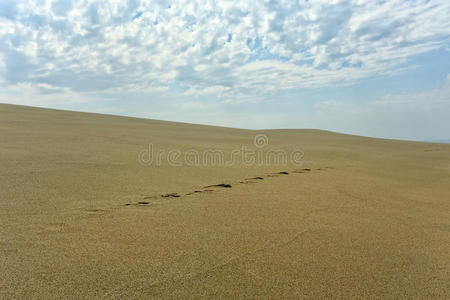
[{"x": 87, "y": 212}]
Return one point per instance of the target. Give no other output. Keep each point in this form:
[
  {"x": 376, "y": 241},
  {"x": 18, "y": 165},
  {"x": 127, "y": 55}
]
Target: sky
[{"x": 375, "y": 68}]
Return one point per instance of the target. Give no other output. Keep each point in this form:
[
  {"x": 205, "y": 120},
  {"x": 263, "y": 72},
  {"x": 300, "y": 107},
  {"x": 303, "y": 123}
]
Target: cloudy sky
[{"x": 377, "y": 68}]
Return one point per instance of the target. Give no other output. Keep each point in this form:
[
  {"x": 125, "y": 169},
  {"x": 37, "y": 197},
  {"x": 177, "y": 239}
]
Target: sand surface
[{"x": 82, "y": 217}]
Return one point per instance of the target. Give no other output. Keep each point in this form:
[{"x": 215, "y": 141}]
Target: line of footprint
[{"x": 208, "y": 188}]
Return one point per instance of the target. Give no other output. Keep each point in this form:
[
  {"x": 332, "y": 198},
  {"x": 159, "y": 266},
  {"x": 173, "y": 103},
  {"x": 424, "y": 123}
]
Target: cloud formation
[{"x": 235, "y": 50}]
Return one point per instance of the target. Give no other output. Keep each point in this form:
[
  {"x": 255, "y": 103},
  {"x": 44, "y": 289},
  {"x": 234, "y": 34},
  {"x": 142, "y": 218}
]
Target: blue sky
[{"x": 377, "y": 68}]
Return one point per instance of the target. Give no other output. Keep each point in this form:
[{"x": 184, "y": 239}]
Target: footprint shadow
[
  {"x": 171, "y": 195},
  {"x": 224, "y": 185}
]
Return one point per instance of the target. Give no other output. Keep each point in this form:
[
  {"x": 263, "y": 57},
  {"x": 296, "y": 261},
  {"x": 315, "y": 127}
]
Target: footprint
[
  {"x": 302, "y": 170},
  {"x": 171, "y": 195},
  {"x": 198, "y": 191},
  {"x": 324, "y": 168},
  {"x": 219, "y": 185},
  {"x": 95, "y": 211},
  {"x": 277, "y": 174},
  {"x": 194, "y": 192},
  {"x": 137, "y": 203}
]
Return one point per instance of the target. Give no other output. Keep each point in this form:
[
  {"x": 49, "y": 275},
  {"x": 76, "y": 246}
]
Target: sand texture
[{"x": 82, "y": 217}]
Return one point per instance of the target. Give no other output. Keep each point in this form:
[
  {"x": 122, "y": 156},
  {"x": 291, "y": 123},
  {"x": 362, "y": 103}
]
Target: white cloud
[
  {"x": 236, "y": 49},
  {"x": 217, "y": 90},
  {"x": 27, "y": 93}
]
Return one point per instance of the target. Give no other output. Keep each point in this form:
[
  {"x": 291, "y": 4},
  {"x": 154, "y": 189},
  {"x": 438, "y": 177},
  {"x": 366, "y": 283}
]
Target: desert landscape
[{"x": 83, "y": 215}]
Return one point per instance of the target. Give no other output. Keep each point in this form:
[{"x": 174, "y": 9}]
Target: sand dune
[{"x": 88, "y": 212}]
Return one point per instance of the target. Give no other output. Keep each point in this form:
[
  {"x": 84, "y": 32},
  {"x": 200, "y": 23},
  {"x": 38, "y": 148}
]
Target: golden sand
[{"x": 82, "y": 217}]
